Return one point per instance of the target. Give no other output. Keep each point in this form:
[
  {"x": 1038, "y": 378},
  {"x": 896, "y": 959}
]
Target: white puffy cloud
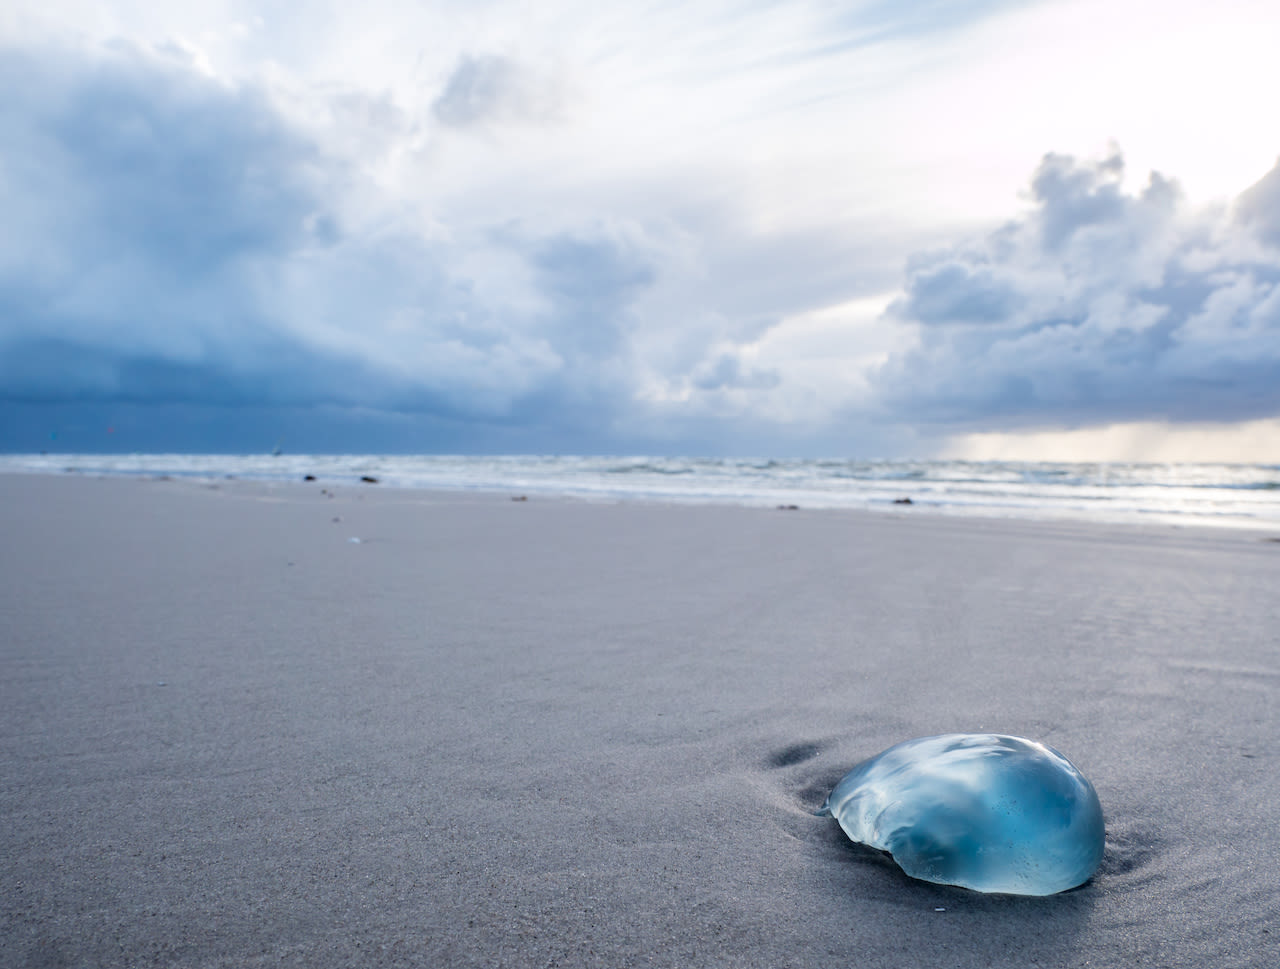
[{"x": 1097, "y": 305}]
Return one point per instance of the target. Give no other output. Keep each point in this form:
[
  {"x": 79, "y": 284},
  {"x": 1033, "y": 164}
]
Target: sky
[{"x": 1046, "y": 229}]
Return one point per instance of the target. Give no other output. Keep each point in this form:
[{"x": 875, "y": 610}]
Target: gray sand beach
[{"x": 556, "y": 733}]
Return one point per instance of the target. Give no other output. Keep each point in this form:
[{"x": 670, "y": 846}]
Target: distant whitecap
[{"x": 983, "y": 811}]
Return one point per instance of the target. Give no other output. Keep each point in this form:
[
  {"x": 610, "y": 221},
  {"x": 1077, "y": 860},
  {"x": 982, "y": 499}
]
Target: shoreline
[
  {"x": 1215, "y": 496},
  {"x": 410, "y": 494}
]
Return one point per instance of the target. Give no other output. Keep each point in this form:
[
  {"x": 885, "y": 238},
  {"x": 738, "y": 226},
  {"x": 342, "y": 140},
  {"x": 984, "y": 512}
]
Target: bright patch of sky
[{"x": 701, "y": 227}]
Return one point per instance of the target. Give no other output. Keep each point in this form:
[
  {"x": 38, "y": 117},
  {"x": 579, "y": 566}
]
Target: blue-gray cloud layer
[
  {"x": 489, "y": 88},
  {"x": 1098, "y": 306},
  {"x": 175, "y": 249},
  {"x": 174, "y": 240}
]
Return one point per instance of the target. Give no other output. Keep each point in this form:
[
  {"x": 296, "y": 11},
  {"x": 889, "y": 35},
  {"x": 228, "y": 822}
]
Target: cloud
[
  {"x": 489, "y": 88},
  {"x": 141, "y": 197},
  {"x": 146, "y": 154},
  {"x": 174, "y": 239},
  {"x": 1259, "y": 207},
  {"x": 726, "y": 372},
  {"x": 1098, "y": 305},
  {"x": 181, "y": 242},
  {"x": 696, "y": 247},
  {"x": 950, "y": 290},
  {"x": 591, "y": 282}
]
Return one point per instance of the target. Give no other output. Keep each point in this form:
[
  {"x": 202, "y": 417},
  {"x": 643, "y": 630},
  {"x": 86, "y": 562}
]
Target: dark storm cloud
[
  {"x": 144, "y": 199},
  {"x": 134, "y": 153},
  {"x": 1098, "y": 306},
  {"x": 173, "y": 240},
  {"x": 35, "y": 371},
  {"x": 591, "y": 282},
  {"x": 726, "y": 372}
]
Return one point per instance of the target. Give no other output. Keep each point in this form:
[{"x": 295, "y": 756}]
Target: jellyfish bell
[{"x": 982, "y": 811}]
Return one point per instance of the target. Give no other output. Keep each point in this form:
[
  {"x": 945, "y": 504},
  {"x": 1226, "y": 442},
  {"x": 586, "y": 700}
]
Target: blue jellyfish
[{"x": 983, "y": 811}]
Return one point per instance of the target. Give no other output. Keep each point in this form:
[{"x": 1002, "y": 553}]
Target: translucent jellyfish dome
[{"x": 983, "y": 811}]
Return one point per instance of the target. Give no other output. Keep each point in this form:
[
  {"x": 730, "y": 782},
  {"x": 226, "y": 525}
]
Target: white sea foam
[{"x": 1202, "y": 494}]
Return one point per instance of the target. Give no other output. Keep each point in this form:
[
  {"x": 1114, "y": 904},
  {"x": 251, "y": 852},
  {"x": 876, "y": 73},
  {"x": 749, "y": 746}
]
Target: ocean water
[{"x": 1228, "y": 495}]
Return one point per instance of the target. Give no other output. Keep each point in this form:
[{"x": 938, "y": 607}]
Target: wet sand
[{"x": 552, "y": 733}]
